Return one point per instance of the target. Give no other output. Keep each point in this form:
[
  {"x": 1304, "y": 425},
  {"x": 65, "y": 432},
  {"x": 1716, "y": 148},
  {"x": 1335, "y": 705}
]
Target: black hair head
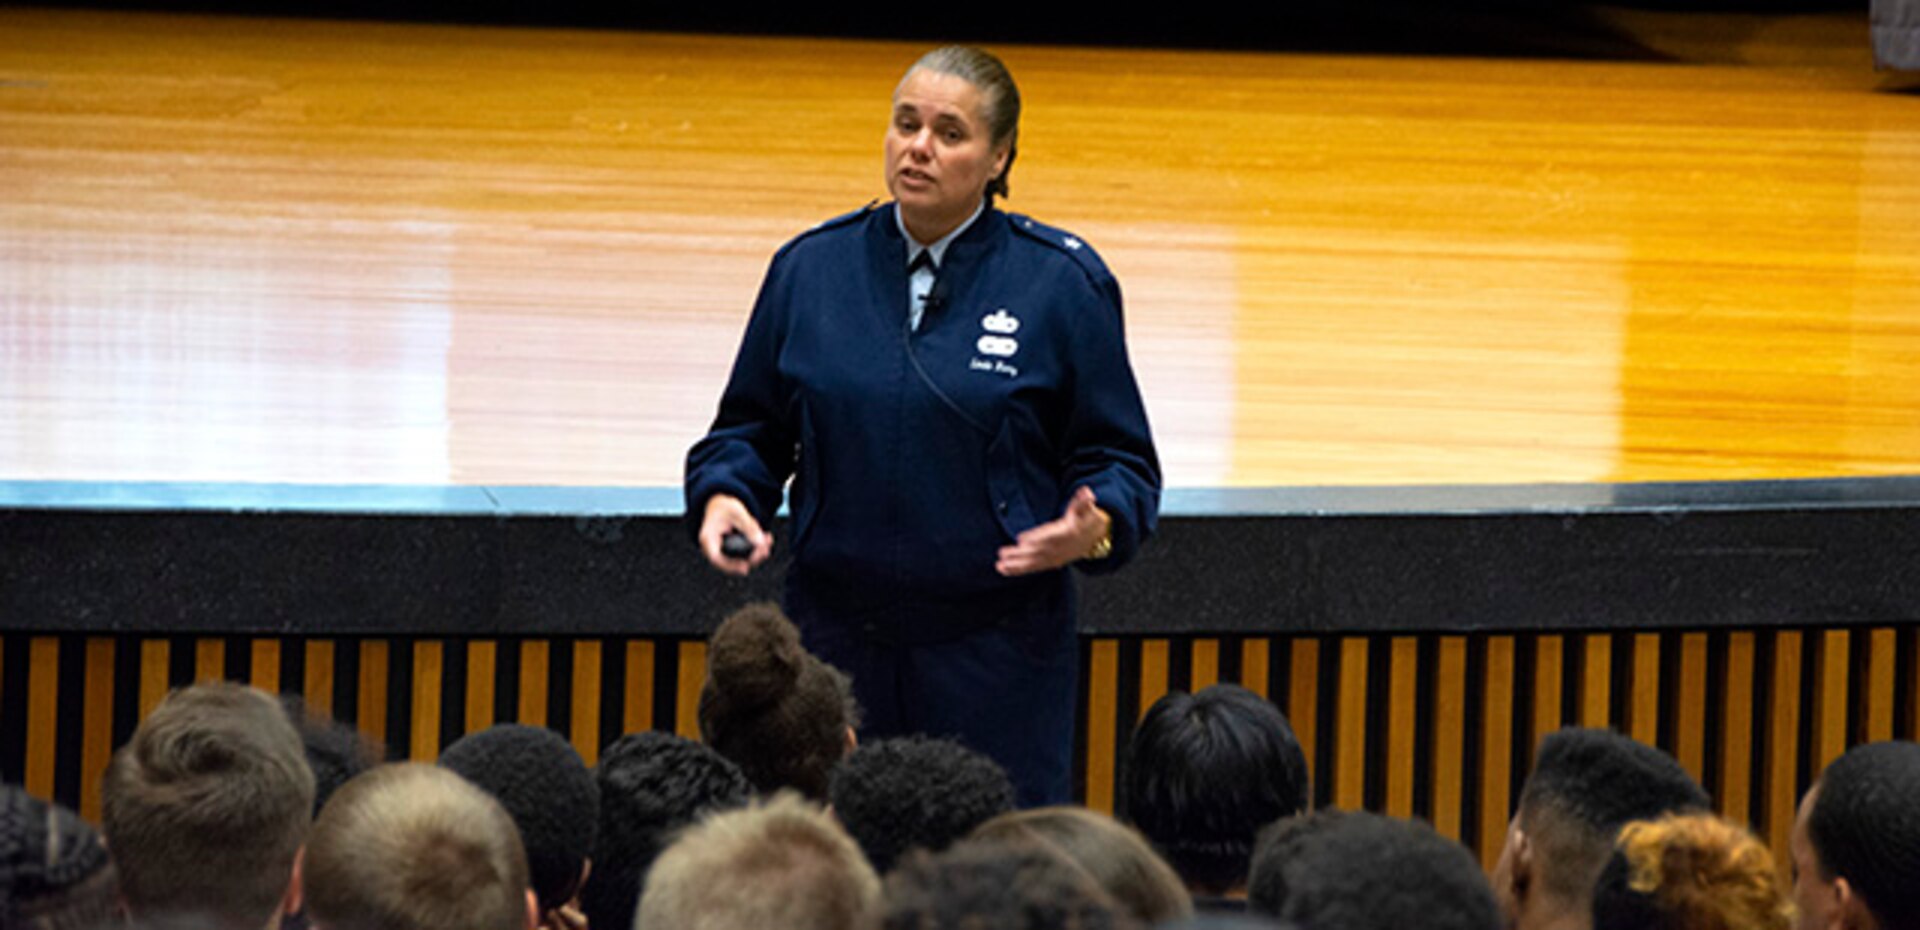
[
  {"x": 899, "y": 794},
  {"x": 1603, "y": 780},
  {"x": 542, "y": 782},
  {"x": 985, "y": 883},
  {"x": 1342, "y": 870},
  {"x": 335, "y": 751},
  {"x": 1617, "y": 905},
  {"x": 778, "y": 712},
  {"x": 46, "y": 851},
  {"x": 652, "y": 785},
  {"x": 1865, "y": 827},
  {"x": 1204, "y": 772}
]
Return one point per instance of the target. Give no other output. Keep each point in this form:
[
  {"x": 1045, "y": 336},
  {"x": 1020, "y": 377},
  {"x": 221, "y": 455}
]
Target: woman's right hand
[{"x": 725, "y": 514}]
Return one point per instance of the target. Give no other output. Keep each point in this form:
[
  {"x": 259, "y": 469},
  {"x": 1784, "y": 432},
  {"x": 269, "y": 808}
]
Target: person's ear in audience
[
  {"x": 1856, "y": 842},
  {"x": 1585, "y": 785}
]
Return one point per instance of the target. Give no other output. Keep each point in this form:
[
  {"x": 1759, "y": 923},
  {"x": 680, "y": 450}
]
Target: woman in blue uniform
[{"x": 948, "y": 388}]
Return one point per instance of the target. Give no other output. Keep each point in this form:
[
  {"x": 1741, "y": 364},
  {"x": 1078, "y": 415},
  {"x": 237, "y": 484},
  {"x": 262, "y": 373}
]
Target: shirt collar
[{"x": 939, "y": 246}]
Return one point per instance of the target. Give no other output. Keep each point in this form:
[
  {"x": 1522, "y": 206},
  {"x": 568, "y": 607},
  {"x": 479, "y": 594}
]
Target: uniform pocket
[{"x": 1005, "y": 490}]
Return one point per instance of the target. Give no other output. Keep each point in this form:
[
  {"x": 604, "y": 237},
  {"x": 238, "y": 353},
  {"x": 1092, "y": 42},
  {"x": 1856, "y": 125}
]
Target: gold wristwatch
[{"x": 1103, "y": 546}]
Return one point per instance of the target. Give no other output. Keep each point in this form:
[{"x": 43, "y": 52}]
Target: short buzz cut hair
[
  {"x": 1204, "y": 772},
  {"x": 897, "y": 794},
  {"x": 1585, "y": 785},
  {"x": 784, "y": 863},
  {"x": 1865, "y": 828},
  {"x": 412, "y": 846},
  {"x": 1354, "y": 870},
  {"x": 206, "y": 807}
]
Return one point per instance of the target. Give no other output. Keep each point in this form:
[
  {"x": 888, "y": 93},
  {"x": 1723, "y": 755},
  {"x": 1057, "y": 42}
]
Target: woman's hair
[
  {"x": 1112, "y": 854},
  {"x": 773, "y": 708},
  {"x": 1000, "y": 97},
  {"x": 1690, "y": 872}
]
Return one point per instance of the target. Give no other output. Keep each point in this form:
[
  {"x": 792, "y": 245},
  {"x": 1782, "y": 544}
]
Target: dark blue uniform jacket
[{"x": 916, "y": 454}]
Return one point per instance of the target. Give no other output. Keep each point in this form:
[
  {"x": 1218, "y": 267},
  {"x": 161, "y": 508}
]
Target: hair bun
[{"x": 754, "y": 658}]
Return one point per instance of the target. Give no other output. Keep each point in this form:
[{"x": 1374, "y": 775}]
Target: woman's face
[{"x": 940, "y": 153}]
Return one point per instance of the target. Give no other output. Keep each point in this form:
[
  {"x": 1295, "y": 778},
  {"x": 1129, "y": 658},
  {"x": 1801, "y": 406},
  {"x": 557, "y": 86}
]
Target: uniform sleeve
[
  {"x": 749, "y": 450},
  {"x": 1108, "y": 445}
]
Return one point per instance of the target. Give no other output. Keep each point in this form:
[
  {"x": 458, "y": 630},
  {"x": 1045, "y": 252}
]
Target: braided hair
[{"x": 53, "y": 870}]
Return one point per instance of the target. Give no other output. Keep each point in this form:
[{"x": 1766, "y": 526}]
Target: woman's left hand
[{"x": 1059, "y": 542}]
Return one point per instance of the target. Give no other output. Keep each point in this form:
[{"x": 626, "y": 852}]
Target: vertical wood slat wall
[{"x": 1439, "y": 727}]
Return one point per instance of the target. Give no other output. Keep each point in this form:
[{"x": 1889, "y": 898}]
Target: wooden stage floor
[{"x": 274, "y": 250}]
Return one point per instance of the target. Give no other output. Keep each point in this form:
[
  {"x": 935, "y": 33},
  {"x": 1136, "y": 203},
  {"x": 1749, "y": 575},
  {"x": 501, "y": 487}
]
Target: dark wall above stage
[{"x": 1744, "y": 555}]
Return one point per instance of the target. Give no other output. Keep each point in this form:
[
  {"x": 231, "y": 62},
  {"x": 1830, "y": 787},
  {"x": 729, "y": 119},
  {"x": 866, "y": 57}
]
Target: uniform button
[{"x": 1003, "y": 506}]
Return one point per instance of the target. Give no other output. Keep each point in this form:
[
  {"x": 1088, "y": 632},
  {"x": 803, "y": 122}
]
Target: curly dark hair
[
  {"x": 1690, "y": 872},
  {"x": 543, "y": 783},
  {"x": 1353, "y": 870},
  {"x": 898, "y": 794},
  {"x": 335, "y": 751},
  {"x": 652, "y": 784},
  {"x": 773, "y": 708}
]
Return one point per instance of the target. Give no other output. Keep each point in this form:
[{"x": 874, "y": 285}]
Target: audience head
[
  {"x": 542, "y": 782},
  {"x": 1585, "y": 785},
  {"x": 336, "y": 752},
  {"x": 54, "y": 874},
  {"x": 1114, "y": 855},
  {"x": 1341, "y": 870},
  {"x": 205, "y": 808},
  {"x": 784, "y": 864},
  {"x": 1690, "y": 872},
  {"x": 415, "y": 847},
  {"x": 651, "y": 785},
  {"x": 1008, "y": 886},
  {"x": 897, "y": 794},
  {"x": 1204, "y": 772},
  {"x": 784, "y": 716},
  {"x": 1856, "y": 841}
]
